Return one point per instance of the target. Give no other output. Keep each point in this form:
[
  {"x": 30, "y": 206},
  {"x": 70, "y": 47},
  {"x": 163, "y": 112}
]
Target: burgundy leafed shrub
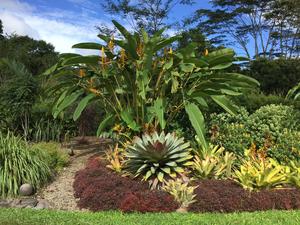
[
  {"x": 228, "y": 196},
  {"x": 98, "y": 189},
  {"x": 148, "y": 201},
  {"x": 101, "y": 189}
]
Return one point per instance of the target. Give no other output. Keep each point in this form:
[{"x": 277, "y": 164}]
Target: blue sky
[{"x": 66, "y": 22}]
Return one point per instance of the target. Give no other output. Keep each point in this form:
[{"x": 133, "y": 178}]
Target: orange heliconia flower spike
[
  {"x": 111, "y": 44},
  {"x": 81, "y": 73},
  {"x": 94, "y": 91},
  {"x": 206, "y": 52},
  {"x": 123, "y": 56},
  {"x": 103, "y": 57}
]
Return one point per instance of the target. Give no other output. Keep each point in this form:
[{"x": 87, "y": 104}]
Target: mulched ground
[{"x": 98, "y": 188}]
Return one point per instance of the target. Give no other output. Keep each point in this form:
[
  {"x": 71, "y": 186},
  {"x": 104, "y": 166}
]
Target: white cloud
[
  {"x": 55, "y": 26},
  {"x": 16, "y": 6},
  {"x": 16, "y": 24}
]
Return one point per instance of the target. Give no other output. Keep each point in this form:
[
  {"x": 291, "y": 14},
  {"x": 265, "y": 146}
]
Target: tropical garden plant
[
  {"x": 19, "y": 164},
  {"x": 156, "y": 157},
  {"x": 294, "y": 93},
  {"x": 257, "y": 171},
  {"x": 139, "y": 81},
  {"x": 181, "y": 191},
  {"x": 213, "y": 162},
  {"x": 53, "y": 154}
]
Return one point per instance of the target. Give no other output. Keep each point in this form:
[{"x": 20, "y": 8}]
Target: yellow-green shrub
[{"x": 55, "y": 156}]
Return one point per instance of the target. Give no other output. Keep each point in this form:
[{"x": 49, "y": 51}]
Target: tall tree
[
  {"x": 37, "y": 56},
  {"x": 1, "y": 29},
  {"x": 246, "y": 23},
  {"x": 151, "y": 15},
  {"x": 285, "y": 15}
]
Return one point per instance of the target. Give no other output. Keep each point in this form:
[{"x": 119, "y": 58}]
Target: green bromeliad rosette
[{"x": 156, "y": 157}]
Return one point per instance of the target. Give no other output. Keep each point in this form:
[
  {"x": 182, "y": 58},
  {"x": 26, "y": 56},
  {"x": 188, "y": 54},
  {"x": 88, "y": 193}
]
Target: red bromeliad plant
[{"x": 141, "y": 84}]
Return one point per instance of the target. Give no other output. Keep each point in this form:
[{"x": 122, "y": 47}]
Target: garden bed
[{"x": 99, "y": 188}]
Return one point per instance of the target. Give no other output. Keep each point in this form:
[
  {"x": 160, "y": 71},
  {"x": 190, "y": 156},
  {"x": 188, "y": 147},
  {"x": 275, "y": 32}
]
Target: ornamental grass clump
[
  {"x": 19, "y": 165},
  {"x": 156, "y": 157}
]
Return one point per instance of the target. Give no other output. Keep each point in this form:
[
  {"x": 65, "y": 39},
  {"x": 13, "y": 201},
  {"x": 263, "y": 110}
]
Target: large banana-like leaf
[
  {"x": 131, "y": 42},
  {"x": 82, "y": 105},
  {"x": 197, "y": 120},
  {"x": 105, "y": 122},
  {"x": 69, "y": 100},
  {"x": 128, "y": 119},
  {"x": 220, "y": 57},
  {"x": 225, "y": 103},
  {"x": 159, "y": 110},
  {"x": 91, "y": 59},
  {"x": 162, "y": 44},
  {"x": 88, "y": 45}
]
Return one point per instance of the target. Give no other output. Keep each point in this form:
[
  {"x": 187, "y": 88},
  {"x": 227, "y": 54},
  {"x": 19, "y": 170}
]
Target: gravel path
[{"x": 59, "y": 194}]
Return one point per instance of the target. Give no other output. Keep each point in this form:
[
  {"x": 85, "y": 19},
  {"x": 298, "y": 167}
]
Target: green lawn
[{"x": 32, "y": 217}]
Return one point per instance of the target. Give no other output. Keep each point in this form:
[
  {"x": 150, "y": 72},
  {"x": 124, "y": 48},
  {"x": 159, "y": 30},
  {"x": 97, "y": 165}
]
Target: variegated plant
[
  {"x": 213, "y": 162},
  {"x": 157, "y": 156}
]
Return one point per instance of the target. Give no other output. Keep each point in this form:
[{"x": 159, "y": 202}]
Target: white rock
[{"x": 26, "y": 190}]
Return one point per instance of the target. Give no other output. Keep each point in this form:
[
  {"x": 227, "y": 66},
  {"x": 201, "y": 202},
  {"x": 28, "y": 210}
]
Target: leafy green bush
[
  {"x": 158, "y": 156},
  {"x": 55, "y": 157},
  {"x": 276, "y": 76},
  {"x": 273, "y": 127},
  {"x": 271, "y": 121},
  {"x": 19, "y": 165},
  {"x": 254, "y": 100},
  {"x": 230, "y": 131}
]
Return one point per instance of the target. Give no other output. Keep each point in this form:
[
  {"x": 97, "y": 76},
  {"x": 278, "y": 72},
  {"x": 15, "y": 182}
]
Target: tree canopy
[
  {"x": 36, "y": 55},
  {"x": 151, "y": 15},
  {"x": 271, "y": 26}
]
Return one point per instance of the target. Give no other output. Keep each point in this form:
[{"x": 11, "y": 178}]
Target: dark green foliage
[
  {"x": 19, "y": 165},
  {"x": 253, "y": 101},
  {"x": 1, "y": 29},
  {"x": 273, "y": 128},
  {"x": 276, "y": 76},
  {"x": 17, "y": 96},
  {"x": 36, "y": 56},
  {"x": 21, "y": 90}
]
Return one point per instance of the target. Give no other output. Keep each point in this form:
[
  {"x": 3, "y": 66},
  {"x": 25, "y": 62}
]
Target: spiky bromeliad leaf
[{"x": 156, "y": 157}]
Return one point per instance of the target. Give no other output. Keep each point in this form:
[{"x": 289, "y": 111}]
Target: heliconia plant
[{"x": 140, "y": 81}]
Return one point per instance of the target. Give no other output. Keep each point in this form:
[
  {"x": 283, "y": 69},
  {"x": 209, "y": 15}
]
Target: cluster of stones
[{"x": 26, "y": 201}]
